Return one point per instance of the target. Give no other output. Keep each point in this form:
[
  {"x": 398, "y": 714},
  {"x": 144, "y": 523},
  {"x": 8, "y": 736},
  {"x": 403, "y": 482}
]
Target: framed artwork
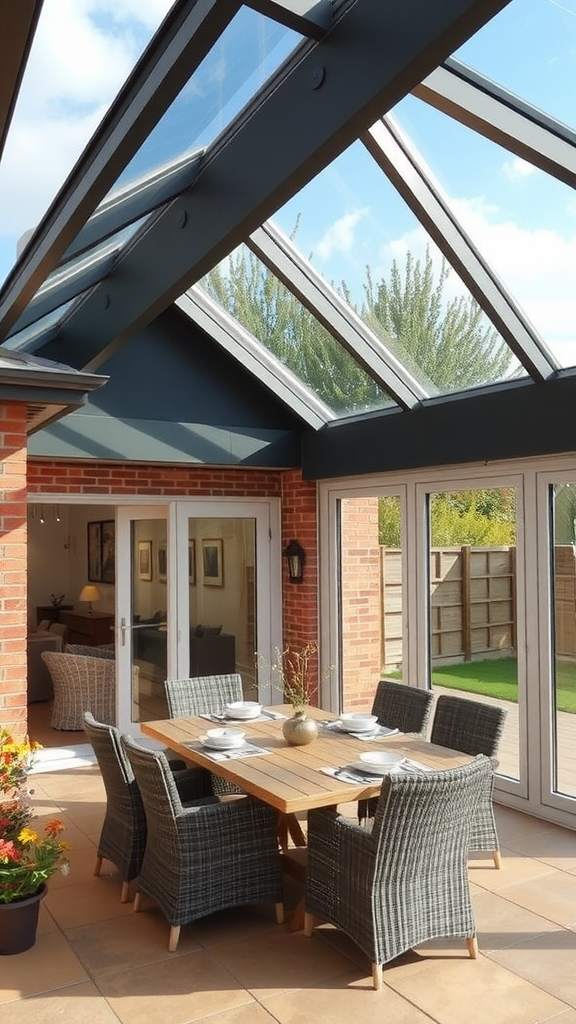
[
  {"x": 162, "y": 565},
  {"x": 212, "y": 568},
  {"x": 145, "y": 560},
  {"x": 108, "y": 538},
  {"x": 94, "y": 546},
  {"x": 191, "y": 562}
]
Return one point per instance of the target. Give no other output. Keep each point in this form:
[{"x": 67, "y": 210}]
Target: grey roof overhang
[
  {"x": 18, "y": 28},
  {"x": 374, "y": 54},
  {"x": 491, "y": 425},
  {"x": 49, "y": 389}
]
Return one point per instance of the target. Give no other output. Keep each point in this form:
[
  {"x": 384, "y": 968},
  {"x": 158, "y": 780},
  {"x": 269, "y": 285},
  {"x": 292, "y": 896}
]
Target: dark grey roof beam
[
  {"x": 129, "y": 204},
  {"x": 283, "y": 259},
  {"x": 243, "y": 346},
  {"x": 19, "y": 21},
  {"x": 316, "y": 106},
  {"x": 185, "y": 37},
  {"x": 503, "y": 118},
  {"x": 310, "y": 18},
  {"x": 63, "y": 286},
  {"x": 391, "y": 152}
]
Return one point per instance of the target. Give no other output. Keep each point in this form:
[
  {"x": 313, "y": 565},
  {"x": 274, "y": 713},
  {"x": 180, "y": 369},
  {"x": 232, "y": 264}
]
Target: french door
[{"x": 197, "y": 594}]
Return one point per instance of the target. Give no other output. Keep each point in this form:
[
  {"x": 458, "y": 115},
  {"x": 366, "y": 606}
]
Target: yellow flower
[{"x": 27, "y": 836}]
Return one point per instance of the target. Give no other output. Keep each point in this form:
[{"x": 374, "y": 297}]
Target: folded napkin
[
  {"x": 266, "y": 716},
  {"x": 380, "y": 733},
  {"x": 353, "y": 775},
  {"x": 243, "y": 750}
]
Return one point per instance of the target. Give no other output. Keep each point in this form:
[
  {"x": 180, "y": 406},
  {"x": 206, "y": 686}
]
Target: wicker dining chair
[
  {"x": 401, "y": 707},
  {"x": 404, "y": 881},
  {"x": 81, "y": 684},
  {"x": 474, "y": 728},
  {"x": 123, "y": 835},
  {"x": 201, "y": 695},
  {"x": 206, "y": 856},
  {"x": 89, "y": 651}
]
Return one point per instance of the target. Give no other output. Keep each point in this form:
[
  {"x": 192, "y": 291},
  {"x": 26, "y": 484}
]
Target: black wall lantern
[{"x": 295, "y": 556}]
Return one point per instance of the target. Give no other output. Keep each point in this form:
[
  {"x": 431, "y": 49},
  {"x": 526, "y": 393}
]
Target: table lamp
[{"x": 89, "y": 593}]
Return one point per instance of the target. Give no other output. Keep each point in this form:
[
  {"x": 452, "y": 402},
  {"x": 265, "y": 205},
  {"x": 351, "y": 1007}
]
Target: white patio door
[{"x": 198, "y": 593}]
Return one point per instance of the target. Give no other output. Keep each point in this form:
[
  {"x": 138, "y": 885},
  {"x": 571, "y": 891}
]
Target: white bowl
[
  {"x": 223, "y": 738},
  {"x": 379, "y": 761},
  {"x": 356, "y": 721},
  {"x": 243, "y": 709}
]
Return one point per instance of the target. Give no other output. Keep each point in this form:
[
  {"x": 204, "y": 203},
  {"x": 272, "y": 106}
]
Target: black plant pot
[{"x": 19, "y": 923}]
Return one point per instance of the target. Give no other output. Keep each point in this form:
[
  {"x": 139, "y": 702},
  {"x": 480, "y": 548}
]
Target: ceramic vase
[
  {"x": 299, "y": 729},
  {"x": 19, "y": 922}
]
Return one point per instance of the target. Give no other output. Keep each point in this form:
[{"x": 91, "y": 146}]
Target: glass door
[{"x": 198, "y": 594}]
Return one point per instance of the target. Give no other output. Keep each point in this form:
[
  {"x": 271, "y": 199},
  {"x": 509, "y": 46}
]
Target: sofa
[{"x": 39, "y": 679}]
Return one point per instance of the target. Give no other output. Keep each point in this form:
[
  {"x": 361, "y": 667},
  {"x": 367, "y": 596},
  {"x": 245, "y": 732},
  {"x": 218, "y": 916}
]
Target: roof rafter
[
  {"x": 497, "y": 114},
  {"x": 186, "y": 35},
  {"x": 385, "y": 144},
  {"x": 283, "y": 259},
  {"x": 374, "y": 54},
  {"x": 308, "y": 17}
]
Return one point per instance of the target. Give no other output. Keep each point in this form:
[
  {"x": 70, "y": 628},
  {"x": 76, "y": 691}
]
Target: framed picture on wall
[
  {"x": 95, "y": 552},
  {"x": 212, "y": 568},
  {"x": 108, "y": 538},
  {"x": 145, "y": 560},
  {"x": 162, "y": 562},
  {"x": 191, "y": 562}
]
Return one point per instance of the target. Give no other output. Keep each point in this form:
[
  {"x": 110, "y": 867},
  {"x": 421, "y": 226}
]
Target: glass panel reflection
[
  {"x": 564, "y": 637},
  {"x": 149, "y": 631},
  {"x": 516, "y": 215},
  {"x": 361, "y": 233},
  {"x": 247, "y": 290},
  {"x": 472, "y": 610}
]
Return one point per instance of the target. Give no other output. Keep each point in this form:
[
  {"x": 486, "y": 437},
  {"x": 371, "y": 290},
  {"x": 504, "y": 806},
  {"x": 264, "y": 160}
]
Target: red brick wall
[
  {"x": 13, "y": 711},
  {"x": 300, "y": 600},
  {"x": 361, "y": 603}
]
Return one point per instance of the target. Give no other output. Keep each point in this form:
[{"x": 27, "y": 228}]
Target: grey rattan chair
[
  {"x": 81, "y": 684},
  {"x": 422, "y": 825},
  {"x": 474, "y": 728},
  {"x": 123, "y": 836},
  {"x": 200, "y": 695},
  {"x": 402, "y": 707},
  {"x": 203, "y": 857}
]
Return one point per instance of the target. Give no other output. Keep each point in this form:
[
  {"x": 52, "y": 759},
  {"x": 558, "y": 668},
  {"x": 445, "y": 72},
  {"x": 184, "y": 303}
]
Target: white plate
[
  {"x": 378, "y": 762},
  {"x": 358, "y": 723},
  {"x": 243, "y": 709},
  {"x": 223, "y": 739}
]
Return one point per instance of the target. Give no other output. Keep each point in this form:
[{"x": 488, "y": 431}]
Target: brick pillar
[
  {"x": 13, "y": 696},
  {"x": 300, "y": 600},
  {"x": 361, "y": 603}
]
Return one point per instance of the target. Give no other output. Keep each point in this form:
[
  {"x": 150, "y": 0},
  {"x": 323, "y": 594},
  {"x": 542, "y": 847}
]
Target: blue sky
[{"x": 522, "y": 222}]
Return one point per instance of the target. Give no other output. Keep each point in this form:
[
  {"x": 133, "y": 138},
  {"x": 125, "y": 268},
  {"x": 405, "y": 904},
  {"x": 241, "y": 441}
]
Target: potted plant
[
  {"x": 295, "y": 674},
  {"x": 28, "y": 858}
]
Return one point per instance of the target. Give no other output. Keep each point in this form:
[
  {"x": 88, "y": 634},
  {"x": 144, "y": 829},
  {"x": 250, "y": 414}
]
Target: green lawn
[{"x": 497, "y": 678}]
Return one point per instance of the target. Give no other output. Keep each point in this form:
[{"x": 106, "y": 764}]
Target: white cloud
[
  {"x": 340, "y": 235},
  {"x": 517, "y": 169},
  {"x": 81, "y": 54}
]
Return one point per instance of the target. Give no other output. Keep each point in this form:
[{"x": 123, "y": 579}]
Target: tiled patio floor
[{"x": 96, "y": 961}]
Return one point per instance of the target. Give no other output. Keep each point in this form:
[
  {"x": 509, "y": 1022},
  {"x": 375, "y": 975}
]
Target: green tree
[
  {"x": 449, "y": 341},
  {"x": 481, "y": 518}
]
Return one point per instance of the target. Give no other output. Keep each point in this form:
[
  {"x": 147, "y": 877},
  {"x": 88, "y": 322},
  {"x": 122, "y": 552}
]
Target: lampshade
[{"x": 89, "y": 593}]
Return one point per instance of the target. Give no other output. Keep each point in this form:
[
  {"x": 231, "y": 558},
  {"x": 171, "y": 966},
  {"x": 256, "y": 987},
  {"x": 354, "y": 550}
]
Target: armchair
[
  {"x": 202, "y": 857},
  {"x": 81, "y": 684},
  {"x": 403, "y": 881}
]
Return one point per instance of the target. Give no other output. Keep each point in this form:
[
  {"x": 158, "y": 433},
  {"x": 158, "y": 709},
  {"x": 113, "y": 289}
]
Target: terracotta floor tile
[
  {"x": 70, "y": 1005},
  {"x": 545, "y": 960},
  {"x": 177, "y": 990},
  {"x": 126, "y": 942},
  {"x": 516, "y": 867},
  {"x": 552, "y": 896},
  {"x": 501, "y": 923},
  {"x": 349, "y": 999},
  {"x": 50, "y": 964},
  {"x": 78, "y": 904}
]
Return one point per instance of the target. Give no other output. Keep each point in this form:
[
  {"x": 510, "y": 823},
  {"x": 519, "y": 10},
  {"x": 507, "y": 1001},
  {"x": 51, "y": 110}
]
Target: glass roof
[
  {"x": 364, "y": 246},
  {"x": 71, "y": 77},
  {"x": 529, "y": 48}
]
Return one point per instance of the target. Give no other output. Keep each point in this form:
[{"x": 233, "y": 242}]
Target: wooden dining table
[{"x": 290, "y": 778}]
